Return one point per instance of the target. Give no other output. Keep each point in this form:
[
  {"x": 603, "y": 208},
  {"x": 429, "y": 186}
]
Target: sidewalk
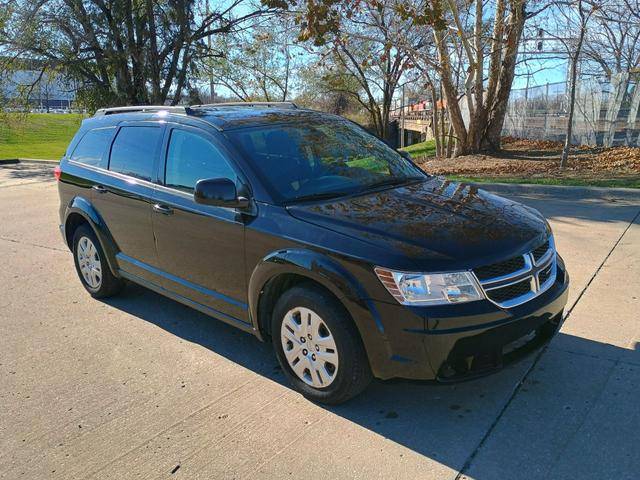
[{"x": 576, "y": 414}]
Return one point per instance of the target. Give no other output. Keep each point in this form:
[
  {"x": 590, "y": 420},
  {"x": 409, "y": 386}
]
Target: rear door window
[
  {"x": 134, "y": 150},
  {"x": 92, "y": 147},
  {"x": 191, "y": 157}
]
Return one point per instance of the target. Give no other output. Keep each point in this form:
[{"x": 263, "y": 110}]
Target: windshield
[{"x": 321, "y": 159}]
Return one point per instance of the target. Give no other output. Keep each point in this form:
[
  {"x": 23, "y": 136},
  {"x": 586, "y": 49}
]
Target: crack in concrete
[
  {"x": 467, "y": 465},
  {"x": 20, "y": 242},
  {"x": 599, "y": 357},
  {"x": 22, "y": 184}
]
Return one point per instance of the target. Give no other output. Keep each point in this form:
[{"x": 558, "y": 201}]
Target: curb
[
  {"x": 571, "y": 191},
  {"x": 13, "y": 161}
]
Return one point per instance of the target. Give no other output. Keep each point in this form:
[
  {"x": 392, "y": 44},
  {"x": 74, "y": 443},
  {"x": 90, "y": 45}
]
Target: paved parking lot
[{"x": 142, "y": 387}]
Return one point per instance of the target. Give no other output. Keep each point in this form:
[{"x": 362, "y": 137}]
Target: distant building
[{"x": 24, "y": 85}]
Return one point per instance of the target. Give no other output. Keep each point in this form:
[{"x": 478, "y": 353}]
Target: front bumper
[{"x": 458, "y": 342}]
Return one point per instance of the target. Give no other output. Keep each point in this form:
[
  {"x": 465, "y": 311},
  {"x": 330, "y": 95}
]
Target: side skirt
[{"x": 246, "y": 327}]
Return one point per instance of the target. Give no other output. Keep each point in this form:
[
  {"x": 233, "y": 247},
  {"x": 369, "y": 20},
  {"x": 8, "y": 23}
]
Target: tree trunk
[
  {"x": 498, "y": 108},
  {"x": 434, "y": 120},
  {"x": 486, "y": 112},
  {"x": 443, "y": 142},
  {"x": 450, "y": 93},
  {"x": 477, "y": 117},
  {"x": 572, "y": 94},
  {"x": 450, "y": 142}
]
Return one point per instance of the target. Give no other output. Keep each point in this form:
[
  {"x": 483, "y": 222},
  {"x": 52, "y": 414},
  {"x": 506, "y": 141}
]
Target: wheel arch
[
  {"x": 281, "y": 270},
  {"x": 79, "y": 212}
]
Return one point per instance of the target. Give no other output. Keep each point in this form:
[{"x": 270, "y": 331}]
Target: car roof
[
  {"x": 221, "y": 117},
  {"x": 231, "y": 117}
]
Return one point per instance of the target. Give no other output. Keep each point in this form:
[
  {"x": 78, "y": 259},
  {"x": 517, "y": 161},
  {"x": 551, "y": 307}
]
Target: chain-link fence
[{"x": 606, "y": 112}]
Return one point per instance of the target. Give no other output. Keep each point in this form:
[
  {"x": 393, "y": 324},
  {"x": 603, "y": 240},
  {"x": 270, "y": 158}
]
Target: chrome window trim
[{"x": 114, "y": 174}]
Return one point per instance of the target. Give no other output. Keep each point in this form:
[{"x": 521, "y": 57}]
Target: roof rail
[
  {"x": 247, "y": 104},
  {"x": 140, "y": 108}
]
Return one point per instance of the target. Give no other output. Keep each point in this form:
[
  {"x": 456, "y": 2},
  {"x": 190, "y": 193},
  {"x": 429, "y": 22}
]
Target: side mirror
[
  {"x": 219, "y": 192},
  {"x": 404, "y": 154}
]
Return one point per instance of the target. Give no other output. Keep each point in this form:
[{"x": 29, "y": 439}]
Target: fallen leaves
[{"x": 541, "y": 158}]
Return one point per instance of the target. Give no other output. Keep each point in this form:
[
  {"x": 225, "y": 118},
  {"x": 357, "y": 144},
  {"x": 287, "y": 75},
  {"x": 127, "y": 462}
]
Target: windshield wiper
[
  {"x": 335, "y": 194},
  {"x": 318, "y": 196},
  {"x": 389, "y": 182}
]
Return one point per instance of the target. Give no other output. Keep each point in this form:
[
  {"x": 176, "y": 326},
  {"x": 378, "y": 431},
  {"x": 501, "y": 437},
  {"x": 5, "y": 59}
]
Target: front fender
[
  {"x": 83, "y": 207},
  {"x": 334, "y": 277}
]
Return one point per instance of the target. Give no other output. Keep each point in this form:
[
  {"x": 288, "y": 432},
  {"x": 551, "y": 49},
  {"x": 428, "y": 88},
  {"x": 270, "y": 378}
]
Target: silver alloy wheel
[
  {"x": 309, "y": 347},
  {"x": 89, "y": 263}
]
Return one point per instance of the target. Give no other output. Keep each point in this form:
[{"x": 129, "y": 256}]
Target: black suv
[{"x": 302, "y": 227}]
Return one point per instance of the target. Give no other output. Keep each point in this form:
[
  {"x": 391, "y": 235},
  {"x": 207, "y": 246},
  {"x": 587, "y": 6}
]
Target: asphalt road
[{"x": 142, "y": 387}]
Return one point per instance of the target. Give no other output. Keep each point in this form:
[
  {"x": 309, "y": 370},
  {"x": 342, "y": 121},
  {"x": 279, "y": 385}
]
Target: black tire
[
  {"x": 353, "y": 374},
  {"x": 109, "y": 285}
]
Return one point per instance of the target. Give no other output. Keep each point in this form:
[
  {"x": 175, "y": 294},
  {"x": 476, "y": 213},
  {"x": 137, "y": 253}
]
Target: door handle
[
  {"x": 99, "y": 189},
  {"x": 163, "y": 209}
]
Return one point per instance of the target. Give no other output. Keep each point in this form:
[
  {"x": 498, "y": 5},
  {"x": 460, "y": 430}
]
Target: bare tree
[
  {"x": 361, "y": 37},
  {"x": 328, "y": 86},
  {"x": 571, "y": 22},
  {"x": 613, "y": 44},
  {"x": 583, "y": 18},
  {"x": 260, "y": 62},
  {"x": 122, "y": 51}
]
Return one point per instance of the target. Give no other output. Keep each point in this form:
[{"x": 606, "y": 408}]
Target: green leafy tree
[{"x": 122, "y": 51}]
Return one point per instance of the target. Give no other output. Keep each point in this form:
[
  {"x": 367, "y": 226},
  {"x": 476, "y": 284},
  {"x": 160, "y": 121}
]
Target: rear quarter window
[
  {"x": 92, "y": 147},
  {"x": 134, "y": 150}
]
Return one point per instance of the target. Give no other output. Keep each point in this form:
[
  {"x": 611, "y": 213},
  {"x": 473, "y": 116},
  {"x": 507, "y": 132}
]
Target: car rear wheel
[
  {"x": 91, "y": 264},
  {"x": 318, "y": 346}
]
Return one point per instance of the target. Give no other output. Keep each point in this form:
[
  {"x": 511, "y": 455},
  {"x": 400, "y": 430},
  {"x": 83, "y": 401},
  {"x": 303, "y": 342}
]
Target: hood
[{"x": 436, "y": 224}]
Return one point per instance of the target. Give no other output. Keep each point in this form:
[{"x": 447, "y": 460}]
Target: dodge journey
[{"x": 305, "y": 230}]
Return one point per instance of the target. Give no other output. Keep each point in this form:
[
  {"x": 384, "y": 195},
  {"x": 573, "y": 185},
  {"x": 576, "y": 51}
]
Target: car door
[
  {"x": 200, "y": 247},
  {"x": 122, "y": 195}
]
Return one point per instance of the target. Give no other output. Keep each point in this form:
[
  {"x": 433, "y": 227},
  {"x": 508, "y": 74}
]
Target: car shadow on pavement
[{"x": 442, "y": 422}]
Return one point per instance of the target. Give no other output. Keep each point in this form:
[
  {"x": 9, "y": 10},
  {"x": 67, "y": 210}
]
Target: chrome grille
[
  {"x": 510, "y": 292},
  {"x": 500, "y": 269},
  {"x": 515, "y": 281},
  {"x": 539, "y": 252},
  {"x": 545, "y": 274}
]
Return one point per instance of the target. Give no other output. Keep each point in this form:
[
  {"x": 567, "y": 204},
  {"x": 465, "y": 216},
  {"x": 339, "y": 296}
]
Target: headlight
[{"x": 430, "y": 288}]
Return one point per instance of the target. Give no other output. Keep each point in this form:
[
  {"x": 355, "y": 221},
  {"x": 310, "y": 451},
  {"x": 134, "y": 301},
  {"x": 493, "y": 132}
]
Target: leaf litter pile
[{"x": 541, "y": 158}]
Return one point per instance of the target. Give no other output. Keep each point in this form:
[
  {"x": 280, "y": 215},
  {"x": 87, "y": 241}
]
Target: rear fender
[{"x": 82, "y": 206}]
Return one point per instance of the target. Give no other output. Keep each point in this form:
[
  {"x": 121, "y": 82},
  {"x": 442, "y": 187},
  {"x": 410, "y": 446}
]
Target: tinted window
[
  {"x": 190, "y": 158},
  {"x": 331, "y": 157},
  {"x": 92, "y": 146},
  {"x": 133, "y": 151}
]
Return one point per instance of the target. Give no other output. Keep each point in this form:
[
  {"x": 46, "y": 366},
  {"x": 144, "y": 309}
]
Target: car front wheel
[{"x": 318, "y": 346}]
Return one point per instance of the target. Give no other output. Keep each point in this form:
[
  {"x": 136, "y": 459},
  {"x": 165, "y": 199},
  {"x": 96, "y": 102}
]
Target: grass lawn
[
  {"x": 422, "y": 149},
  {"x": 36, "y": 135}
]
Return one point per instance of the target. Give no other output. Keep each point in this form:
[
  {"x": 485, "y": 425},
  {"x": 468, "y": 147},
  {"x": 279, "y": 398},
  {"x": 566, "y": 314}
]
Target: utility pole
[{"x": 212, "y": 86}]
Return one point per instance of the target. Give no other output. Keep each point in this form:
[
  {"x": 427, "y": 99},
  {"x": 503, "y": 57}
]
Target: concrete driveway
[{"x": 142, "y": 387}]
